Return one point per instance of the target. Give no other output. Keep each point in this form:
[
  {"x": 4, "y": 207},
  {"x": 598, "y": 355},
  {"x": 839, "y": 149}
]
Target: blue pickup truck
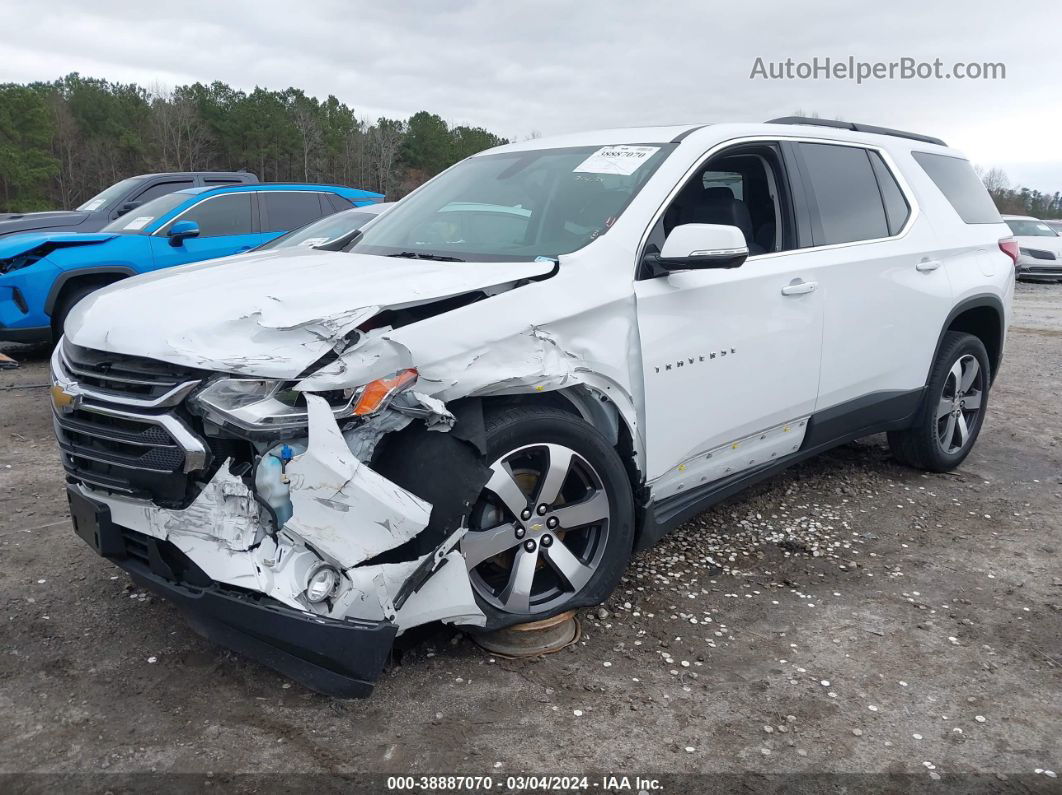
[{"x": 44, "y": 274}]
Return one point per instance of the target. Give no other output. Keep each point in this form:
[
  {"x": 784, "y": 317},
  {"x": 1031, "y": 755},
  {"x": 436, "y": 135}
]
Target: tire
[
  {"x": 939, "y": 440},
  {"x": 70, "y": 298},
  {"x": 558, "y": 567}
]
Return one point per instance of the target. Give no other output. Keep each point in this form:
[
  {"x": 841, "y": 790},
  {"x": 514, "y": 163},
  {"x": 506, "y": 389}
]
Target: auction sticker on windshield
[
  {"x": 139, "y": 222},
  {"x": 623, "y": 160}
]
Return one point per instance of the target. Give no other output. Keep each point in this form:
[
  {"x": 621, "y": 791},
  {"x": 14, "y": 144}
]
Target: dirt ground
[{"x": 871, "y": 619}]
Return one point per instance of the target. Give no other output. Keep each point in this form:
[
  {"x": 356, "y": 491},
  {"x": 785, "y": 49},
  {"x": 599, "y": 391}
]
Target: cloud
[{"x": 556, "y": 67}]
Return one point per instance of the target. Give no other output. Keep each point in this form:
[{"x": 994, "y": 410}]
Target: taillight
[{"x": 1009, "y": 246}]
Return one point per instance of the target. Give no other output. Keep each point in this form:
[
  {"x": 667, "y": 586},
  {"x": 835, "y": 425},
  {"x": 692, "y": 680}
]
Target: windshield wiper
[{"x": 422, "y": 255}]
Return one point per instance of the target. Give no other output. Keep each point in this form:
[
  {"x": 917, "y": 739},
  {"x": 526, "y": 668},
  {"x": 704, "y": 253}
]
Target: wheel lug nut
[
  {"x": 520, "y": 532},
  {"x": 547, "y": 541},
  {"x": 542, "y": 509},
  {"x": 525, "y": 514},
  {"x": 529, "y": 545},
  {"x": 552, "y": 522}
]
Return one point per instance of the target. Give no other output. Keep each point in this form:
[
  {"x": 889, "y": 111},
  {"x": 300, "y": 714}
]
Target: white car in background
[{"x": 1039, "y": 249}]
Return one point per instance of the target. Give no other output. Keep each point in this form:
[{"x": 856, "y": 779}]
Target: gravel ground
[{"x": 848, "y": 616}]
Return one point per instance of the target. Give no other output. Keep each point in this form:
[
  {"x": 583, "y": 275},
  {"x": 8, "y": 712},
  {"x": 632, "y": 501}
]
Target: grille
[
  {"x": 126, "y": 433},
  {"x": 125, "y": 376}
]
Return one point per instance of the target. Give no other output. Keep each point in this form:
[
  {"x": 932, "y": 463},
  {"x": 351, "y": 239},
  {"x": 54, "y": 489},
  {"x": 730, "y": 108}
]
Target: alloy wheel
[
  {"x": 959, "y": 404},
  {"x": 538, "y": 532}
]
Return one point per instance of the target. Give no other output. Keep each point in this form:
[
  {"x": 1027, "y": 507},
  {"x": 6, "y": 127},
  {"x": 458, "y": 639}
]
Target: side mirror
[
  {"x": 695, "y": 246},
  {"x": 181, "y": 230}
]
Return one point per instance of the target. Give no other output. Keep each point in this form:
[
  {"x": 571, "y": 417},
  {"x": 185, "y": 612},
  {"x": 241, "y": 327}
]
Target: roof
[
  {"x": 709, "y": 134},
  {"x": 353, "y": 193}
]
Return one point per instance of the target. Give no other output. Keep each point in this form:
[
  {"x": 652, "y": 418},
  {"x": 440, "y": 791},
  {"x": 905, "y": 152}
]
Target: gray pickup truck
[{"x": 118, "y": 199}]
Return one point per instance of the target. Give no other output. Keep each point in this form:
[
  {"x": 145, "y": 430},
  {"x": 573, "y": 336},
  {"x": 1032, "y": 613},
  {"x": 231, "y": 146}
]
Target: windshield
[
  {"x": 323, "y": 231},
  {"x": 516, "y": 206},
  {"x": 110, "y": 195},
  {"x": 135, "y": 221},
  {"x": 1029, "y": 228}
]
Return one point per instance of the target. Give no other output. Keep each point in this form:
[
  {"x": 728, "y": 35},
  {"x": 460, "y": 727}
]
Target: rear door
[
  {"x": 284, "y": 210},
  {"x": 227, "y": 225},
  {"x": 885, "y": 293}
]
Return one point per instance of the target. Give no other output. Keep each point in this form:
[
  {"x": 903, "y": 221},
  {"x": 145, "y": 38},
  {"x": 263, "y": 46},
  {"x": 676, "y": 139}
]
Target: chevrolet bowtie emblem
[
  {"x": 536, "y": 526},
  {"x": 62, "y": 400}
]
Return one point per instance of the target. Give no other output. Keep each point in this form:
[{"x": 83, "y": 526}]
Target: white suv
[{"x": 538, "y": 362}]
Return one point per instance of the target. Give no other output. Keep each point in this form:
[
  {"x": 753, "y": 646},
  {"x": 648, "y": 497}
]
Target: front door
[
  {"x": 226, "y": 226},
  {"x": 730, "y": 357}
]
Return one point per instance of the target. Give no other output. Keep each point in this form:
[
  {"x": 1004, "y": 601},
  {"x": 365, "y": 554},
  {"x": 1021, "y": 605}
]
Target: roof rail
[{"x": 855, "y": 127}]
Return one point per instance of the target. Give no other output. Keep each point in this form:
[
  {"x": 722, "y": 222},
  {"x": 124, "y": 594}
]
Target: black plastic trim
[
  {"x": 339, "y": 658},
  {"x": 26, "y": 335},
  {"x": 985, "y": 299},
  {"x": 875, "y": 413},
  {"x": 683, "y": 135}
]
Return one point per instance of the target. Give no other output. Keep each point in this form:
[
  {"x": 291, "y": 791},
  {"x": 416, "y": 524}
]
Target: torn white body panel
[
  {"x": 341, "y": 507},
  {"x": 344, "y": 514}
]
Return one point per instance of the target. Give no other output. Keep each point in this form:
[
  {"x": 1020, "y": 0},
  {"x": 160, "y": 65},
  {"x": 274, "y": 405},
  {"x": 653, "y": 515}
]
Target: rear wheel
[
  {"x": 953, "y": 410},
  {"x": 553, "y": 527}
]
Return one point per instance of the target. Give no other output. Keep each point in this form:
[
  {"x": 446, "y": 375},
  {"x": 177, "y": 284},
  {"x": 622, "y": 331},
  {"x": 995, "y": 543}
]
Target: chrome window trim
[{"x": 714, "y": 150}]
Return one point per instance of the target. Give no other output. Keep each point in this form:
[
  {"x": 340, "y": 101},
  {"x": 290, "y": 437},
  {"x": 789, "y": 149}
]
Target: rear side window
[
  {"x": 338, "y": 202},
  {"x": 845, "y": 192},
  {"x": 222, "y": 215},
  {"x": 161, "y": 189},
  {"x": 896, "y": 207},
  {"x": 287, "y": 210},
  {"x": 961, "y": 187}
]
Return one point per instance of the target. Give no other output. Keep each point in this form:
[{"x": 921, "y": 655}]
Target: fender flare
[
  {"x": 985, "y": 299},
  {"x": 66, "y": 276}
]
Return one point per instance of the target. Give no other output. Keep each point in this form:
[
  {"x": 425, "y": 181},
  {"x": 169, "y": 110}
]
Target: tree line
[
  {"x": 1020, "y": 200},
  {"x": 62, "y": 142}
]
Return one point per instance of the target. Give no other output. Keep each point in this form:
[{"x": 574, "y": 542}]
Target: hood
[
  {"x": 28, "y": 222},
  {"x": 43, "y": 243},
  {"x": 270, "y": 314}
]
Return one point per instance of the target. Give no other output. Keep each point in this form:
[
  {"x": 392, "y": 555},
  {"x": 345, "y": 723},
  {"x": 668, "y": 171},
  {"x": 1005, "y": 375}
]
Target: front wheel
[
  {"x": 953, "y": 409},
  {"x": 553, "y": 527}
]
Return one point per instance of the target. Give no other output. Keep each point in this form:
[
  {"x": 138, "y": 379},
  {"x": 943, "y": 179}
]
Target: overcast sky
[{"x": 549, "y": 66}]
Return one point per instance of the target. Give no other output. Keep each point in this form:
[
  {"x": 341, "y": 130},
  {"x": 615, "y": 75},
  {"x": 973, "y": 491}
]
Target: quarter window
[
  {"x": 846, "y": 193},
  {"x": 961, "y": 187},
  {"x": 287, "y": 210},
  {"x": 221, "y": 215}
]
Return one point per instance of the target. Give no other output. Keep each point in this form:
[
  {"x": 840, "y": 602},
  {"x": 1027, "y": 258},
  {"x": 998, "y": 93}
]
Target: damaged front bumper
[
  {"x": 243, "y": 578},
  {"x": 340, "y": 658}
]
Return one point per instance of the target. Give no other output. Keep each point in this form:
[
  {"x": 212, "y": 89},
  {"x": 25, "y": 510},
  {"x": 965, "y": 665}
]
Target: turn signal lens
[{"x": 378, "y": 393}]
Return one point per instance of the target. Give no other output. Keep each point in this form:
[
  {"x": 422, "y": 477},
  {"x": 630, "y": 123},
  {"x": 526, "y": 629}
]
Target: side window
[
  {"x": 222, "y": 215},
  {"x": 287, "y": 210},
  {"x": 338, "y": 202},
  {"x": 896, "y": 207},
  {"x": 743, "y": 187},
  {"x": 845, "y": 192},
  {"x": 161, "y": 189}
]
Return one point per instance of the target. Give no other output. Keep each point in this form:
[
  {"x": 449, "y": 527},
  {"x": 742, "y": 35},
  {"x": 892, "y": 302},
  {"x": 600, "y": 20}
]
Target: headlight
[{"x": 262, "y": 404}]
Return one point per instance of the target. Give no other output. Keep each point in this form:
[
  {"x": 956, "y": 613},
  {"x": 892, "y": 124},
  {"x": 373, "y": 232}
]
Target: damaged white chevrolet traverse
[{"x": 477, "y": 408}]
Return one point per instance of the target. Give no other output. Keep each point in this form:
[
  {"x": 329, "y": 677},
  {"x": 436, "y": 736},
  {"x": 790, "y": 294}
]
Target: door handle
[
  {"x": 927, "y": 265},
  {"x": 242, "y": 249},
  {"x": 799, "y": 288}
]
